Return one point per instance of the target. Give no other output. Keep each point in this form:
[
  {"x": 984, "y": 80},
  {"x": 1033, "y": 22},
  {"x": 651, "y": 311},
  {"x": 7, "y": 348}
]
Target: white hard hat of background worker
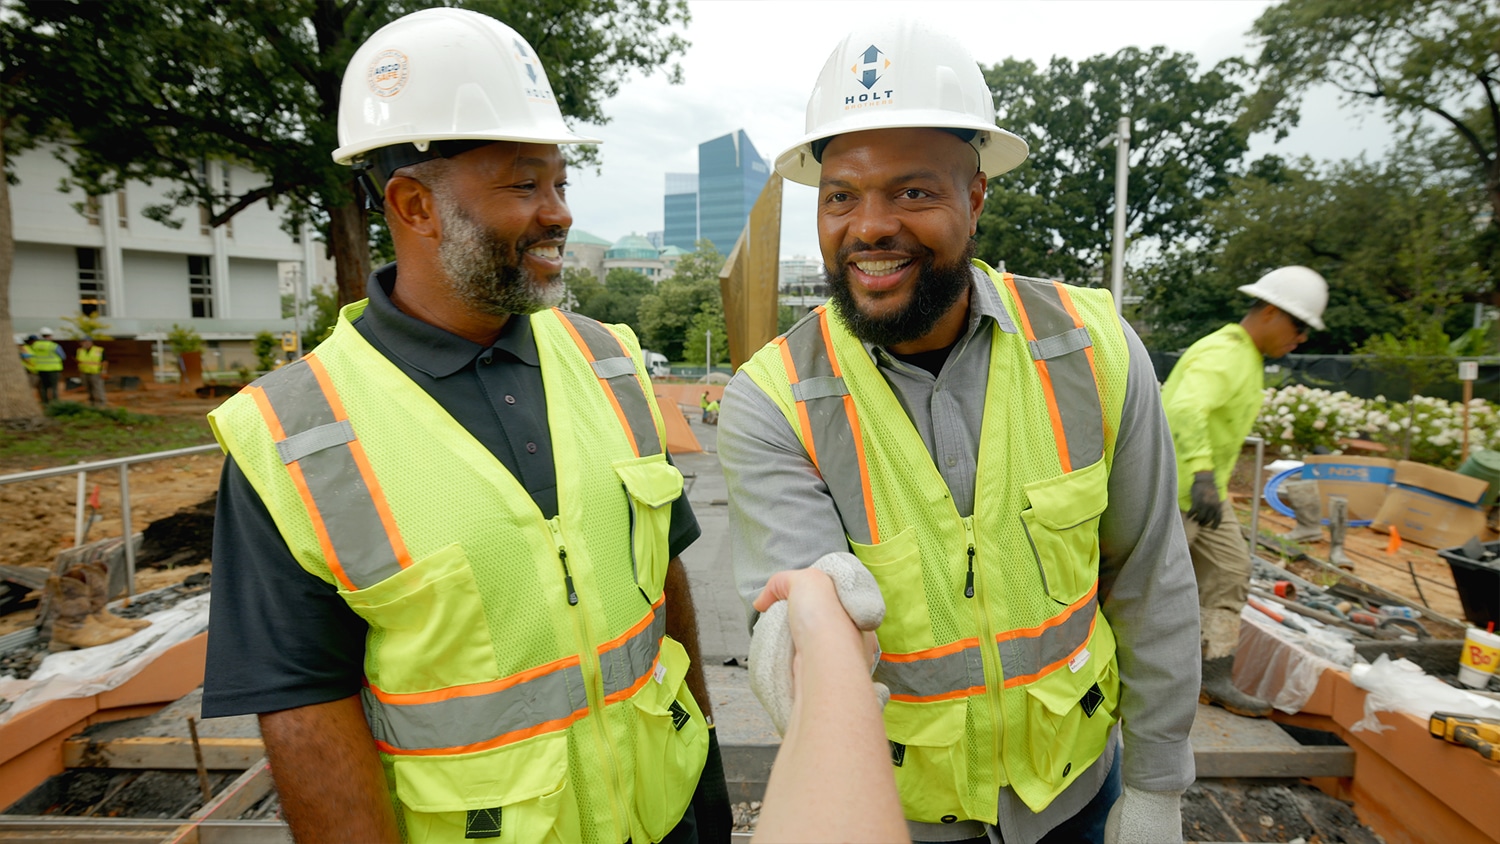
[
  {"x": 1299, "y": 291},
  {"x": 46, "y": 332},
  {"x": 895, "y": 75},
  {"x": 438, "y": 83}
]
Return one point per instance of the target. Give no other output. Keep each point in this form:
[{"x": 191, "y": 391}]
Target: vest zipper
[
  {"x": 989, "y": 657},
  {"x": 969, "y": 578},
  {"x": 588, "y": 659}
]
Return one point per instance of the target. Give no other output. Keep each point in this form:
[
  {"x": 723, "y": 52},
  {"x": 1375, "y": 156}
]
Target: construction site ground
[{"x": 1253, "y": 782}]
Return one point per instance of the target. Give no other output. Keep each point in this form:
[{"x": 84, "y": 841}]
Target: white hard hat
[
  {"x": 446, "y": 74},
  {"x": 45, "y": 331},
  {"x": 900, "y": 74},
  {"x": 1299, "y": 291}
]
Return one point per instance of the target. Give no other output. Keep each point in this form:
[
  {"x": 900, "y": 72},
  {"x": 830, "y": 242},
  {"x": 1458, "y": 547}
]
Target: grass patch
[{"x": 80, "y": 432}]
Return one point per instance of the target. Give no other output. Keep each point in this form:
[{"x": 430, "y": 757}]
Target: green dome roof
[{"x": 632, "y": 246}]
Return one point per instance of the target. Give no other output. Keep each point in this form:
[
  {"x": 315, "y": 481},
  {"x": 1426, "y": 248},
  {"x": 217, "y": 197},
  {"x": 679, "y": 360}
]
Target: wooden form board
[
  {"x": 171, "y": 753},
  {"x": 749, "y": 280}
]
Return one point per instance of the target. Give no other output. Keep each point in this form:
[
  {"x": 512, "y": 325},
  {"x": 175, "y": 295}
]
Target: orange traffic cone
[{"x": 1394, "y": 544}]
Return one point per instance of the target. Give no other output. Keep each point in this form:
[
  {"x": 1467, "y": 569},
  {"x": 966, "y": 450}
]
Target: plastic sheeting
[
  {"x": 1281, "y": 666},
  {"x": 1402, "y": 686},
  {"x": 87, "y": 672}
]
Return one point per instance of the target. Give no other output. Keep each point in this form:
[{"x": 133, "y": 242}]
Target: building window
[
  {"x": 91, "y": 210},
  {"x": 91, "y": 283},
  {"x": 123, "y": 208},
  {"x": 228, "y": 196},
  {"x": 203, "y": 212},
  {"x": 201, "y": 285}
]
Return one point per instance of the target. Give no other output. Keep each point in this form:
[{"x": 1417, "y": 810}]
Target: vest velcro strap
[
  {"x": 1058, "y": 345},
  {"x": 1069, "y": 382},
  {"x": 298, "y": 446},
  {"x": 481, "y": 716},
  {"x": 819, "y": 388},
  {"x": 1030, "y": 654},
  {"x": 356, "y": 531},
  {"x": 615, "y": 368}
]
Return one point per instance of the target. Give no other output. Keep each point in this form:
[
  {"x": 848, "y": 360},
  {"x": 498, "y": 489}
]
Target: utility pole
[
  {"x": 1121, "y": 139},
  {"x": 708, "y": 355}
]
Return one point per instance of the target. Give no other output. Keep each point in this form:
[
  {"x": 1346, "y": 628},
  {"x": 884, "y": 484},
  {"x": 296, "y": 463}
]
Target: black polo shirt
[{"x": 279, "y": 637}]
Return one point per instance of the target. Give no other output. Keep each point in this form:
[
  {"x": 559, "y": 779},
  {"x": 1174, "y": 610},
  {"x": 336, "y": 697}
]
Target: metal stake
[
  {"x": 1260, "y": 458},
  {"x": 78, "y": 512},
  {"x": 208, "y": 793},
  {"x": 129, "y": 532}
]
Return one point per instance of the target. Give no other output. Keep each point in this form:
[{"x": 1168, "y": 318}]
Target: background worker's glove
[
  {"x": 1206, "y": 509},
  {"x": 771, "y": 644},
  {"x": 1145, "y": 817}
]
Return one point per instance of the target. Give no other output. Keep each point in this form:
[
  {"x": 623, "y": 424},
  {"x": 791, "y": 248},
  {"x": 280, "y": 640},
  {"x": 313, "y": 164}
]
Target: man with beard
[
  {"x": 993, "y": 449},
  {"x": 445, "y": 554}
]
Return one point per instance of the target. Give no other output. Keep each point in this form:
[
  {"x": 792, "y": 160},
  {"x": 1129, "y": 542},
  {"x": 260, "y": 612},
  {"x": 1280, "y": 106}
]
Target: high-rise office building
[
  {"x": 714, "y": 203},
  {"x": 681, "y": 211}
]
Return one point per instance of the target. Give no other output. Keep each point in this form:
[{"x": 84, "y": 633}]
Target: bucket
[{"x": 1484, "y": 465}]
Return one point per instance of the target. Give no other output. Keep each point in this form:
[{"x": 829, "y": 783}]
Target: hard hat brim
[
  {"x": 1002, "y": 151},
  {"x": 1272, "y": 297},
  {"x": 562, "y": 137}
]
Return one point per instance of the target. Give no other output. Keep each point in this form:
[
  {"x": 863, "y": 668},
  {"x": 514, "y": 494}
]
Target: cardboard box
[
  {"x": 1362, "y": 480},
  {"x": 1432, "y": 506}
]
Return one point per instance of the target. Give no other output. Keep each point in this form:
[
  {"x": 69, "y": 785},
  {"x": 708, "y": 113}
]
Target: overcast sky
[{"x": 752, "y": 65}]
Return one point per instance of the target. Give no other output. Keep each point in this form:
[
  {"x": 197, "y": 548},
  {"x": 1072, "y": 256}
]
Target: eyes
[
  {"x": 904, "y": 195},
  {"x": 531, "y": 185}
]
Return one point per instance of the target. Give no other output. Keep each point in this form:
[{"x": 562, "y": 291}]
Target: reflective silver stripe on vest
[
  {"x": 935, "y": 677},
  {"x": 338, "y": 490},
  {"x": 1073, "y": 385},
  {"x": 487, "y": 719},
  {"x": 622, "y": 666},
  {"x": 1022, "y": 658},
  {"x": 832, "y": 435},
  {"x": 616, "y": 369}
]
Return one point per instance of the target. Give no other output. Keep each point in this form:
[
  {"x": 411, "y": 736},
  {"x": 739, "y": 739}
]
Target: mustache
[
  {"x": 917, "y": 251},
  {"x": 552, "y": 233}
]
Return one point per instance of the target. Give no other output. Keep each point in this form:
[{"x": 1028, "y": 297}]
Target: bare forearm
[
  {"x": 328, "y": 773},
  {"x": 682, "y": 625}
]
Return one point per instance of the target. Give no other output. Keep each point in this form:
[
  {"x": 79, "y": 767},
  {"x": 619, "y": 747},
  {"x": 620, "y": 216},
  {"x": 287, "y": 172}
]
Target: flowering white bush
[{"x": 1297, "y": 420}]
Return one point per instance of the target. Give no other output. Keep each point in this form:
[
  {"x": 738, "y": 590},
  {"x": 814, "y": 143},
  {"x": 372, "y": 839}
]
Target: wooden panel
[
  {"x": 172, "y": 753},
  {"x": 748, "y": 281},
  {"x": 177, "y": 671},
  {"x": 1275, "y": 762}
]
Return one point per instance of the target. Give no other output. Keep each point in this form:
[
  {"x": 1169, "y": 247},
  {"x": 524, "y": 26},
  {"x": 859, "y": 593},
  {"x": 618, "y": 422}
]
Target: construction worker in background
[
  {"x": 445, "y": 556},
  {"x": 711, "y": 413},
  {"x": 47, "y": 358},
  {"x": 1211, "y": 399},
  {"x": 28, "y": 360},
  {"x": 992, "y": 448},
  {"x": 91, "y": 366},
  {"x": 703, "y": 404}
]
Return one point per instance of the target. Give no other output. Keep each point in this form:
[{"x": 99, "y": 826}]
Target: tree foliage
[
  {"x": 618, "y": 300},
  {"x": 667, "y": 313},
  {"x": 1052, "y": 216}
]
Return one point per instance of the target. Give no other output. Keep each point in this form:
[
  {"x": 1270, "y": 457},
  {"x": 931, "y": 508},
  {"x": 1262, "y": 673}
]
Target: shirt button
[
  {"x": 510, "y": 399},
  {"x": 531, "y": 448},
  {"x": 952, "y": 461}
]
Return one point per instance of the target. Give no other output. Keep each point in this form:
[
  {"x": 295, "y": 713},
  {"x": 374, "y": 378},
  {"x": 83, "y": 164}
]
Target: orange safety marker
[{"x": 1395, "y": 544}]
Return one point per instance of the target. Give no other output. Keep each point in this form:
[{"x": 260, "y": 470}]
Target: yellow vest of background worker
[
  {"x": 28, "y": 357},
  {"x": 90, "y": 360},
  {"x": 45, "y": 357},
  {"x": 1000, "y": 664},
  {"x": 517, "y": 674}
]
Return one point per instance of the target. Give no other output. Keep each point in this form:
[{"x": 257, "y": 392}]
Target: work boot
[
  {"x": 1219, "y": 690},
  {"x": 1307, "y": 506},
  {"x": 96, "y": 575},
  {"x": 1338, "y": 526},
  {"x": 73, "y": 625}
]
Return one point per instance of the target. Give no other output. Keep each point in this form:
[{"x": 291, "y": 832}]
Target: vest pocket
[
  {"x": 651, "y": 484},
  {"x": 1063, "y": 526},
  {"x": 430, "y": 626},
  {"x": 927, "y": 754},
  {"x": 1069, "y": 715},
  {"x": 896, "y": 565},
  {"x": 527, "y": 781},
  {"x": 671, "y": 742}
]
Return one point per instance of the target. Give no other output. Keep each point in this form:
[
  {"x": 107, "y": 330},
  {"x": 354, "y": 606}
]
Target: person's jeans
[{"x": 48, "y": 386}]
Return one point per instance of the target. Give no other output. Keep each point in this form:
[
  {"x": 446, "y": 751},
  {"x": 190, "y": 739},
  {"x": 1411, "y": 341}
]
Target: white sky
[{"x": 752, "y": 65}]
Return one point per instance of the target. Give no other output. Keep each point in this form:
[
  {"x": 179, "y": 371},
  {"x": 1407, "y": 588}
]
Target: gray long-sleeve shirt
[{"x": 782, "y": 517}]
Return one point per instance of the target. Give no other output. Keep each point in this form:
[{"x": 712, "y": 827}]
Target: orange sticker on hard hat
[{"x": 388, "y": 73}]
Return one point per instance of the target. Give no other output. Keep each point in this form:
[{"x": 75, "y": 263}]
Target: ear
[
  {"x": 977, "y": 187},
  {"x": 410, "y": 203}
]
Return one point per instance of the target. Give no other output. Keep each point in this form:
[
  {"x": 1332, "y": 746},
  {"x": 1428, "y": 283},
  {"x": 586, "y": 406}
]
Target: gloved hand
[
  {"x": 1145, "y": 817},
  {"x": 1206, "y": 509},
  {"x": 771, "y": 645}
]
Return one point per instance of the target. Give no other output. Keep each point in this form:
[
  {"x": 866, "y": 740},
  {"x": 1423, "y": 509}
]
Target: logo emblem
[
  {"x": 536, "y": 85},
  {"x": 388, "y": 73},
  {"x": 871, "y": 65}
]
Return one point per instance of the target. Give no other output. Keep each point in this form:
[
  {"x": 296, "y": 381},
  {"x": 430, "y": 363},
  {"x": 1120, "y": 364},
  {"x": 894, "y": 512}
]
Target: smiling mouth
[
  {"x": 880, "y": 268},
  {"x": 546, "y": 253}
]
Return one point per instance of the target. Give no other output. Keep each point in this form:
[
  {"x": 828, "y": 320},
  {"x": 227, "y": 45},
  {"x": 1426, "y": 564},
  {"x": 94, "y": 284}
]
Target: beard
[
  {"x": 487, "y": 274},
  {"x": 937, "y": 289}
]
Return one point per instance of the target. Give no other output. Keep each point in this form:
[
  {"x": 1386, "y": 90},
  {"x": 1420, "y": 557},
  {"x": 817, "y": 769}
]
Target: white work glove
[
  {"x": 771, "y": 642},
  {"x": 1145, "y": 817}
]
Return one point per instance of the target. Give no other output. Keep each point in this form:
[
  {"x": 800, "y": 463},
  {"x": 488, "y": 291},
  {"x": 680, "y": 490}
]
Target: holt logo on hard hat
[
  {"x": 869, "y": 68},
  {"x": 538, "y": 91}
]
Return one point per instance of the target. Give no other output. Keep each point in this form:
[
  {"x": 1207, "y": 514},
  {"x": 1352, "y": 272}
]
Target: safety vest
[
  {"x": 28, "y": 357},
  {"x": 46, "y": 356},
  {"x": 517, "y": 674},
  {"x": 90, "y": 359},
  {"x": 1005, "y": 674}
]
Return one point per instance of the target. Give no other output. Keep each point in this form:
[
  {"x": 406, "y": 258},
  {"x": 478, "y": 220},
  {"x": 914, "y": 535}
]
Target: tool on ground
[
  {"x": 1480, "y": 733},
  {"x": 94, "y": 514},
  {"x": 1338, "y": 528},
  {"x": 1285, "y": 589},
  {"x": 1277, "y": 616}
]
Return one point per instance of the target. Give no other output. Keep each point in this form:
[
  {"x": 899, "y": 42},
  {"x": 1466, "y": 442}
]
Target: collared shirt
[
  {"x": 281, "y": 638},
  {"x": 781, "y": 516}
]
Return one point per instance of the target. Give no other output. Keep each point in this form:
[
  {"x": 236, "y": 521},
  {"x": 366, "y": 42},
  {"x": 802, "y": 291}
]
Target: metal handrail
[{"x": 123, "y": 464}]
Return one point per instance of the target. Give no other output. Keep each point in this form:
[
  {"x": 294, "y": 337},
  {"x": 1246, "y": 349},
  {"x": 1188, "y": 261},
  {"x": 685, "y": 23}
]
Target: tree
[
  {"x": 580, "y": 285},
  {"x": 1052, "y": 216},
  {"x": 1415, "y": 58},
  {"x": 707, "y": 324},
  {"x": 619, "y": 300},
  {"x": 666, "y": 314},
  {"x": 150, "y": 90},
  {"x": 267, "y": 347},
  {"x": 20, "y": 406},
  {"x": 83, "y": 325},
  {"x": 325, "y": 314}
]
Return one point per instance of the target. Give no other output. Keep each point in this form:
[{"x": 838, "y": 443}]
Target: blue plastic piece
[{"x": 1272, "y": 494}]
